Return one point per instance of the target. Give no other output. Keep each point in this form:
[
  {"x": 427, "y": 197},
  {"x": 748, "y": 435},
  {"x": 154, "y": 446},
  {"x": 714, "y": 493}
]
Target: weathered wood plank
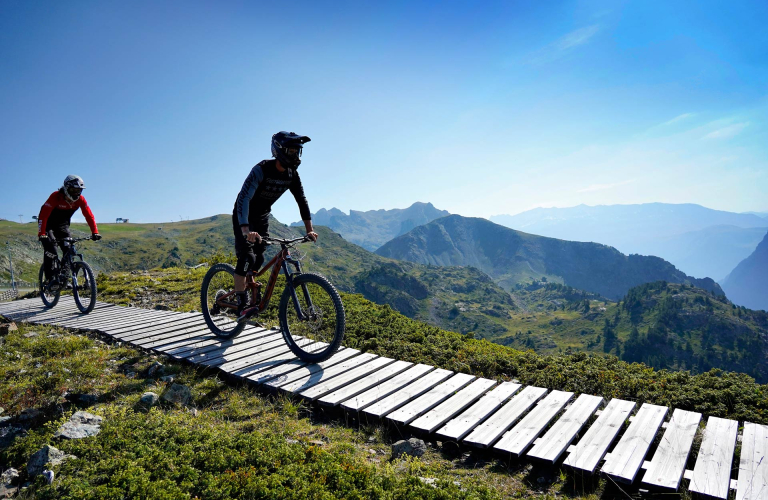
[
  {"x": 128, "y": 324},
  {"x": 365, "y": 383},
  {"x": 152, "y": 329},
  {"x": 753, "y": 464},
  {"x": 593, "y": 446},
  {"x": 668, "y": 464},
  {"x": 343, "y": 379},
  {"x": 172, "y": 344},
  {"x": 407, "y": 393},
  {"x": 517, "y": 440},
  {"x": 462, "y": 425},
  {"x": 563, "y": 432},
  {"x": 626, "y": 459},
  {"x": 712, "y": 472},
  {"x": 309, "y": 375},
  {"x": 485, "y": 434},
  {"x": 386, "y": 388},
  {"x": 281, "y": 372},
  {"x": 252, "y": 359},
  {"x": 231, "y": 349},
  {"x": 429, "y": 400},
  {"x": 452, "y": 406}
]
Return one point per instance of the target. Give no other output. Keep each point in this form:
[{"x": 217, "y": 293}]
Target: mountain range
[
  {"x": 747, "y": 284},
  {"x": 511, "y": 257},
  {"x": 699, "y": 241},
  {"x": 546, "y": 316},
  {"x": 373, "y": 228}
]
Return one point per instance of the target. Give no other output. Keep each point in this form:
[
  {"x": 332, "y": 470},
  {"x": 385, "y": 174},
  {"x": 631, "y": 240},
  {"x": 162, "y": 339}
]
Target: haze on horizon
[{"x": 481, "y": 110}]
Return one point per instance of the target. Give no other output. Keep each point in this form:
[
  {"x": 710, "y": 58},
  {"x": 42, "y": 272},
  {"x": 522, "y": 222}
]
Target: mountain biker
[
  {"x": 268, "y": 180},
  {"x": 54, "y": 219}
]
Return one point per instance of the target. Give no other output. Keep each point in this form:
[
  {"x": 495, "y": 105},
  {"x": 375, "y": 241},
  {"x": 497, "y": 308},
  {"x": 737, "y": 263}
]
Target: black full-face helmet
[
  {"x": 287, "y": 146},
  {"x": 73, "y": 187}
]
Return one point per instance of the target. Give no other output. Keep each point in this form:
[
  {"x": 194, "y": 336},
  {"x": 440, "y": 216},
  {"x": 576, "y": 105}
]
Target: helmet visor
[{"x": 293, "y": 151}]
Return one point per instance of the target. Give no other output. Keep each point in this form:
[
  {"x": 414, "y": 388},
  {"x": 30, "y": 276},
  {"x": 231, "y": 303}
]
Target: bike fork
[{"x": 294, "y": 297}]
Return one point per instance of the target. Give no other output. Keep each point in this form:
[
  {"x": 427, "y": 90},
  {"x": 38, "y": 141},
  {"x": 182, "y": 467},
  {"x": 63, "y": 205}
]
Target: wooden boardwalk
[{"x": 527, "y": 422}]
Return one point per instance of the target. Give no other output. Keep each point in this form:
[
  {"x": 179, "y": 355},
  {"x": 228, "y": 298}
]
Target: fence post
[{"x": 10, "y": 264}]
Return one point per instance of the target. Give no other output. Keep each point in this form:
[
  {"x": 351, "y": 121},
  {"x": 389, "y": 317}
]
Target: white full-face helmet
[{"x": 73, "y": 187}]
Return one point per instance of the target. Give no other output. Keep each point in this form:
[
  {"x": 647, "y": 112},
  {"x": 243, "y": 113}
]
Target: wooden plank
[
  {"x": 753, "y": 464},
  {"x": 309, "y": 375},
  {"x": 231, "y": 349},
  {"x": 626, "y": 459},
  {"x": 128, "y": 324},
  {"x": 668, "y": 464},
  {"x": 429, "y": 400},
  {"x": 179, "y": 340},
  {"x": 247, "y": 351},
  {"x": 365, "y": 383},
  {"x": 452, "y": 406},
  {"x": 116, "y": 316},
  {"x": 325, "y": 387},
  {"x": 180, "y": 345},
  {"x": 485, "y": 434},
  {"x": 563, "y": 432},
  {"x": 712, "y": 472},
  {"x": 386, "y": 388},
  {"x": 281, "y": 372},
  {"x": 463, "y": 424},
  {"x": 151, "y": 327},
  {"x": 253, "y": 369},
  {"x": 593, "y": 446},
  {"x": 252, "y": 359},
  {"x": 407, "y": 393},
  {"x": 168, "y": 334},
  {"x": 517, "y": 440}
]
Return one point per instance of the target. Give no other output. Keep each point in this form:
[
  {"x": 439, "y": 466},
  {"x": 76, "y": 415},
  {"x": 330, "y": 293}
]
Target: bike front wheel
[
  {"x": 83, "y": 287},
  {"x": 218, "y": 301},
  {"x": 312, "y": 317},
  {"x": 49, "y": 298}
]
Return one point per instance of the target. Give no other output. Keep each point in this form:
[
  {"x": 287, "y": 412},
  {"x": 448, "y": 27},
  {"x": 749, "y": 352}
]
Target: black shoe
[{"x": 247, "y": 313}]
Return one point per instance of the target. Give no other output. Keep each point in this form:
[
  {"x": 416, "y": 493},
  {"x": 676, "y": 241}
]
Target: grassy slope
[
  {"x": 232, "y": 442},
  {"x": 379, "y": 329},
  {"x": 550, "y": 319}
]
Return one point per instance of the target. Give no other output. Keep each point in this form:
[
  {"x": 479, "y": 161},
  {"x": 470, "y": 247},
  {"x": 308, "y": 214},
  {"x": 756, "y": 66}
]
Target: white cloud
[
  {"x": 563, "y": 45},
  {"x": 577, "y": 37},
  {"x": 677, "y": 119},
  {"x": 603, "y": 187},
  {"x": 727, "y": 132}
]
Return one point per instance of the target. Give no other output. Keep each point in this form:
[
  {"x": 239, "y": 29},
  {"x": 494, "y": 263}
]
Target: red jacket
[{"x": 57, "y": 212}]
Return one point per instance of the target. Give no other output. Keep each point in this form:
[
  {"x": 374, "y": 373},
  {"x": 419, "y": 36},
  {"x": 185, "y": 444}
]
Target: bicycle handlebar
[
  {"x": 273, "y": 241},
  {"x": 73, "y": 240}
]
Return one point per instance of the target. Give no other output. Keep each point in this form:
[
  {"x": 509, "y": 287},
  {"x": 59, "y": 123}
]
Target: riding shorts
[{"x": 250, "y": 257}]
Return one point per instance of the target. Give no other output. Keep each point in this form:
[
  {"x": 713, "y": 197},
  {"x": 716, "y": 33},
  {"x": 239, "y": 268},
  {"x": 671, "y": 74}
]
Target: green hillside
[
  {"x": 541, "y": 315},
  {"x": 511, "y": 257},
  {"x": 381, "y": 330}
]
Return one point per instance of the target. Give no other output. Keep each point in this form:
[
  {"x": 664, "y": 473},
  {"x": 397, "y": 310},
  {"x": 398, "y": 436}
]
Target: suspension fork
[{"x": 294, "y": 297}]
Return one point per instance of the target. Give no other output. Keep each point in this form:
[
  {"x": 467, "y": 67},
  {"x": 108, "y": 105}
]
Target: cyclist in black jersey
[{"x": 268, "y": 180}]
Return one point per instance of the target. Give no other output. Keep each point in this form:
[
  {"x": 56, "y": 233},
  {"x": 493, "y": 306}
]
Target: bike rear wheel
[
  {"x": 219, "y": 283},
  {"x": 83, "y": 287},
  {"x": 49, "y": 298},
  {"x": 312, "y": 317}
]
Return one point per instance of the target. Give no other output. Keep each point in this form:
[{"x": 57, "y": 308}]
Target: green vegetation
[
  {"x": 379, "y": 329},
  {"x": 542, "y": 315},
  {"x": 230, "y": 442}
]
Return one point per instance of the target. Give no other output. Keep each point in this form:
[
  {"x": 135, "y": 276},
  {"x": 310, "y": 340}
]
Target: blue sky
[{"x": 481, "y": 108}]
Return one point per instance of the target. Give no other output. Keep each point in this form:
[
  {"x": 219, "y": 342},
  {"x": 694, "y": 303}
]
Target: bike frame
[
  {"x": 68, "y": 257},
  {"x": 279, "y": 262}
]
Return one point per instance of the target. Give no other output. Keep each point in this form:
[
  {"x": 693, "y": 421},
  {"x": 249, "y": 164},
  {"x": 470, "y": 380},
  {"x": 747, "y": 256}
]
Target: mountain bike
[
  {"x": 311, "y": 315},
  {"x": 83, "y": 282}
]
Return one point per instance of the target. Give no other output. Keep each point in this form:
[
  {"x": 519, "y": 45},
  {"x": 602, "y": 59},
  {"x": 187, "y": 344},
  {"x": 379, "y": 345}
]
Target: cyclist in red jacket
[{"x": 54, "y": 219}]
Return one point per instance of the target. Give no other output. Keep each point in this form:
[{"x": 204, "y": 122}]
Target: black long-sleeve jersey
[{"x": 261, "y": 189}]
